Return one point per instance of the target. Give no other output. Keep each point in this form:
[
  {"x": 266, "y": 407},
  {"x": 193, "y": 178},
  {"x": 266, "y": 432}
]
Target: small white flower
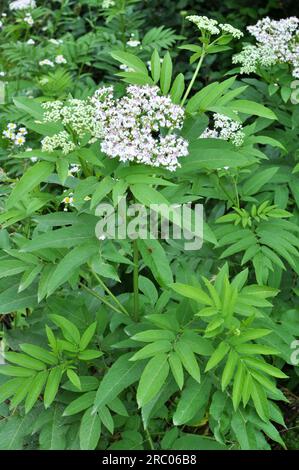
[
  {"x": 9, "y": 134},
  {"x": 46, "y": 62},
  {"x": 20, "y": 139},
  {"x": 2, "y": 74},
  {"x": 11, "y": 126},
  {"x": 1, "y": 25},
  {"x": 29, "y": 20},
  {"x": 133, "y": 43},
  {"x": 22, "y": 131},
  {"x": 59, "y": 59},
  {"x": 56, "y": 42},
  {"x": 30, "y": 42}
]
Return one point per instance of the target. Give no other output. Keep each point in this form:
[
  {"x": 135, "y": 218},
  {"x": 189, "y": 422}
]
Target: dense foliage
[{"x": 137, "y": 342}]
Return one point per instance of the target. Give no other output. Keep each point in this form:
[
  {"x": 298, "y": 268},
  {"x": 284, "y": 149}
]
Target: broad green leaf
[
  {"x": 152, "y": 379},
  {"x": 120, "y": 375},
  {"x": 52, "y": 385},
  {"x": 166, "y": 74},
  {"x": 217, "y": 355},
  {"x": 32, "y": 178},
  {"x": 35, "y": 390},
  {"x": 194, "y": 397},
  {"x": 188, "y": 359},
  {"x": 152, "y": 349},
  {"x": 90, "y": 430}
]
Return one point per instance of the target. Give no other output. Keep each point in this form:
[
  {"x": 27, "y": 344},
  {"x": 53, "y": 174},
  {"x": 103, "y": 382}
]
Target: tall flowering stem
[
  {"x": 198, "y": 67},
  {"x": 135, "y": 280}
]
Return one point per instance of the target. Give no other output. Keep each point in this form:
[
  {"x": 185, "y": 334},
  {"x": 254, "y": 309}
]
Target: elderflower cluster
[
  {"x": 225, "y": 128},
  {"x": 77, "y": 114},
  {"x": 22, "y": 4},
  {"x": 277, "y": 42},
  {"x": 62, "y": 141},
  {"x": 15, "y": 135},
  {"x": 141, "y": 126},
  {"x": 213, "y": 27}
]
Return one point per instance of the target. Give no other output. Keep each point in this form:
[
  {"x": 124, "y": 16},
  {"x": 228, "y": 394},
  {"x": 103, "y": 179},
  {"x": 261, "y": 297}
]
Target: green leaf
[
  {"x": 177, "y": 88},
  {"x": 89, "y": 354},
  {"x": 35, "y": 390},
  {"x": 176, "y": 369},
  {"x": 195, "y": 442},
  {"x": 15, "y": 371},
  {"x": 32, "y": 178},
  {"x": 120, "y": 375},
  {"x": 79, "y": 404},
  {"x": 39, "y": 353},
  {"x": 148, "y": 336},
  {"x": 194, "y": 397},
  {"x": 166, "y": 74},
  {"x": 130, "y": 60},
  {"x": 70, "y": 331},
  {"x": 24, "y": 361},
  {"x": 152, "y": 379},
  {"x": 151, "y": 349},
  {"x": 188, "y": 359},
  {"x": 87, "y": 336},
  {"x": 11, "y": 267},
  {"x": 74, "y": 378},
  {"x": 68, "y": 265},
  {"x": 194, "y": 293},
  {"x": 217, "y": 355},
  {"x": 30, "y": 106},
  {"x": 102, "y": 189},
  {"x": 52, "y": 385},
  {"x": 155, "y": 66},
  {"x": 252, "y": 108},
  {"x": 90, "y": 430}
]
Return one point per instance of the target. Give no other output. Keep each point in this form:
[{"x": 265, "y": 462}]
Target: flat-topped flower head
[
  {"x": 212, "y": 27},
  {"x": 22, "y": 5},
  {"x": 277, "y": 43},
  {"x": 225, "y": 128},
  {"x": 204, "y": 23},
  {"x": 142, "y": 126}
]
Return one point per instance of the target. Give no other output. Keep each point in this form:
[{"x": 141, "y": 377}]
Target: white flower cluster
[
  {"x": 141, "y": 126},
  {"x": 79, "y": 115},
  {"x": 62, "y": 141},
  {"x": 213, "y": 27},
  {"x": 22, "y": 4},
  {"x": 17, "y": 136},
  {"x": 59, "y": 59},
  {"x": 225, "y": 128},
  {"x": 133, "y": 42},
  {"x": 277, "y": 42}
]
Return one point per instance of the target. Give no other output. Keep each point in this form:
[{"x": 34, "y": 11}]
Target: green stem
[
  {"x": 149, "y": 438},
  {"x": 135, "y": 280},
  {"x": 100, "y": 297},
  {"x": 106, "y": 288},
  {"x": 194, "y": 77}
]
